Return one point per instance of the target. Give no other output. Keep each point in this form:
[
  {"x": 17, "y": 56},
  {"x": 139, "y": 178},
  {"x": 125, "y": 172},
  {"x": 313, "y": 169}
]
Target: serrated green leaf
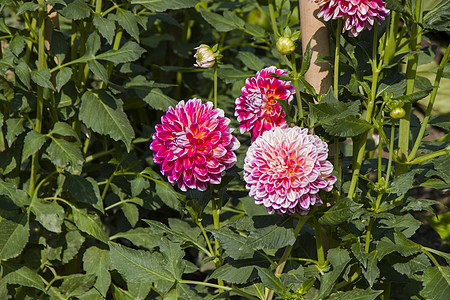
[
  {"x": 400, "y": 244},
  {"x": 23, "y": 72},
  {"x": 139, "y": 266},
  {"x": 63, "y": 77},
  {"x": 163, "y": 5},
  {"x": 173, "y": 255},
  {"x": 252, "y": 61},
  {"x": 330, "y": 112},
  {"x": 14, "y": 127},
  {"x": 84, "y": 190},
  {"x": 348, "y": 127},
  {"x": 436, "y": 283},
  {"x": 105, "y": 26},
  {"x": 219, "y": 22},
  {"x": 42, "y": 78},
  {"x": 98, "y": 69},
  {"x": 356, "y": 294},
  {"x": 64, "y": 129},
  {"x": 419, "y": 204},
  {"x": 28, "y": 6},
  {"x": 74, "y": 241},
  {"x": 417, "y": 263},
  {"x": 128, "y": 21},
  {"x": 17, "y": 44},
  {"x": 104, "y": 114},
  {"x": 66, "y": 155},
  {"x": 233, "y": 274},
  {"x": 138, "y": 184},
  {"x": 129, "y": 52},
  {"x": 14, "y": 233},
  {"x": 168, "y": 195},
  {"x": 271, "y": 281},
  {"x": 139, "y": 290},
  {"x": 306, "y": 59},
  {"x": 19, "y": 197},
  {"x": 233, "y": 243},
  {"x": 76, "y": 10},
  {"x": 339, "y": 212},
  {"x": 76, "y": 285},
  {"x": 372, "y": 271},
  {"x": 97, "y": 261},
  {"x": 141, "y": 237},
  {"x": 33, "y": 142},
  {"x": 406, "y": 225},
  {"x": 50, "y": 215},
  {"x": 157, "y": 100},
  {"x": 230, "y": 74},
  {"x": 271, "y": 237},
  {"x": 131, "y": 212},
  {"x": 255, "y": 30},
  {"x": 14, "y": 273},
  {"x": 89, "y": 224}
]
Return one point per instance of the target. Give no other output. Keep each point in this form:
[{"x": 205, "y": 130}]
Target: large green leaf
[
  {"x": 141, "y": 266},
  {"x": 141, "y": 237},
  {"x": 97, "y": 261},
  {"x": 339, "y": 259},
  {"x": 271, "y": 281},
  {"x": 129, "y": 52},
  {"x": 221, "y": 23},
  {"x": 105, "y": 26},
  {"x": 76, "y": 285},
  {"x": 168, "y": 195},
  {"x": 356, "y": 294},
  {"x": 104, "y": 114},
  {"x": 163, "y": 5},
  {"x": 88, "y": 224},
  {"x": 74, "y": 241},
  {"x": 234, "y": 274},
  {"x": 19, "y": 197},
  {"x": 14, "y": 233},
  {"x": 339, "y": 212},
  {"x": 63, "y": 77},
  {"x": 233, "y": 243},
  {"x": 76, "y": 10},
  {"x": 128, "y": 21},
  {"x": 84, "y": 190},
  {"x": 23, "y": 72},
  {"x": 66, "y": 155},
  {"x": 33, "y": 142},
  {"x": 416, "y": 264},
  {"x": 42, "y": 78},
  {"x": 14, "y": 128},
  {"x": 252, "y": 61},
  {"x": 271, "y": 237},
  {"x": 14, "y": 273},
  {"x": 158, "y": 100},
  {"x": 436, "y": 282},
  {"x": 173, "y": 256},
  {"x": 50, "y": 215}
]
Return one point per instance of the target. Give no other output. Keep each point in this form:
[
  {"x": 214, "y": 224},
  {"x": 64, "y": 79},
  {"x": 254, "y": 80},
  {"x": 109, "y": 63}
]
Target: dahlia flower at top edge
[
  {"x": 357, "y": 14},
  {"x": 257, "y": 109},
  {"x": 285, "y": 168},
  {"x": 194, "y": 145}
]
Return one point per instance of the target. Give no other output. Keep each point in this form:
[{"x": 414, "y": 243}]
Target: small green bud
[
  {"x": 285, "y": 45},
  {"x": 397, "y": 113},
  {"x": 205, "y": 57}
]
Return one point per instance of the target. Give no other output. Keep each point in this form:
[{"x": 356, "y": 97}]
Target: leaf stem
[
  {"x": 368, "y": 233},
  {"x": 226, "y": 288},
  {"x": 200, "y": 225},
  {"x": 336, "y": 95},
  {"x": 215, "y": 84},
  {"x": 287, "y": 251},
  {"x": 297, "y": 93},
  {"x": 411, "y": 70},
  {"x": 40, "y": 92},
  {"x": 391, "y": 152},
  {"x": 437, "y": 80},
  {"x": 360, "y": 146},
  {"x": 273, "y": 20}
]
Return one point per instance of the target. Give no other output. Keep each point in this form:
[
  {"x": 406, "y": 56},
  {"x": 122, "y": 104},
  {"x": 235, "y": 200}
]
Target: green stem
[
  {"x": 390, "y": 48},
  {"x": 215, "y": 84},
  {"x": 362, "y": 140},
  {"x": 110, "y": 65},
  {"x": 98, "y": 6},
  {"x": 369, "y": 230},
  {"x": 437, "y": 80},
  {"x": 411, "y": 70},
  {"x": 391, "y": 152},
  {"x": 319, "y": 244},
  {"x": 297, "y": 90},
  {"x": 273, "y": 20},
  {"x": 40, "y": 92},
  {"x": 287, "y": 251},
  {"x": 199, "y": 224},
  {"x": 429, "y": 156}
]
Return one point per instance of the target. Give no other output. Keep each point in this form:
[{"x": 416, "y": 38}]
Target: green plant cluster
[{"x": 86, "y": 214}]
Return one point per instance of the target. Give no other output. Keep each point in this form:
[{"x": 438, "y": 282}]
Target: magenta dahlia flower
[
  {"x": 257, "y": 109},
  {"x": 194, "y": 145},
  {"x": 285, "y": 168},
  {"x": 357, "y": 14}
]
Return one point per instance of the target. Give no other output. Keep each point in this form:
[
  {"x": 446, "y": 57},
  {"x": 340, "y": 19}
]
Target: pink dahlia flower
[
  {"x": 257, "y": 109},
  {"x": 194, "y": 145},
  {"x": 285, "y": 168},
  {"x": 357, "y": 14}
]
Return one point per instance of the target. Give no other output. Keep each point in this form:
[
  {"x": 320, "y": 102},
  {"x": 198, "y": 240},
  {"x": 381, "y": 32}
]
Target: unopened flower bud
[
  {"x": 285, "y": 45},
  {"x": 205, "y": 57}
]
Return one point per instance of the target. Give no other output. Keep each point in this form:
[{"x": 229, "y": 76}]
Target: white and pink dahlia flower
[
  {"x": 194, "y": 145},
  {"x": 357, "y": 14},
  {"x": 257, "y": 109},
  {"x": 285, "y": 168}
]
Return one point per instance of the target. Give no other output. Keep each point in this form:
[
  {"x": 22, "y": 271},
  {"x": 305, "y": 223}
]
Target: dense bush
[{"x": 85, "y": 212}]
